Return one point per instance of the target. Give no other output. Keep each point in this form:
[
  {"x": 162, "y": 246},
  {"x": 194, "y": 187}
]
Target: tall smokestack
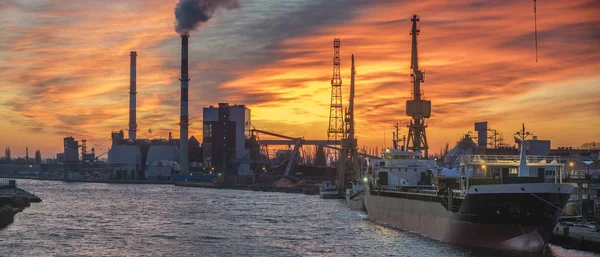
[
  {"x": 132, "y": 93},
  {"x": 189, "y": 15},
  {"x": 184, "y": 119}
]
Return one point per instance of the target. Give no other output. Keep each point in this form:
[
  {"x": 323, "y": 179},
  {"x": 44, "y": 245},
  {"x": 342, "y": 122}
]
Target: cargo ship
[{"x": 500, "y": 202}]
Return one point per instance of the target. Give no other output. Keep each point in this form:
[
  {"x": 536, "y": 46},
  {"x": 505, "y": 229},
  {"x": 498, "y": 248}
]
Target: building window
[
  {"x": 512, "y": 171},
  {"x": 207, "y": 131}
]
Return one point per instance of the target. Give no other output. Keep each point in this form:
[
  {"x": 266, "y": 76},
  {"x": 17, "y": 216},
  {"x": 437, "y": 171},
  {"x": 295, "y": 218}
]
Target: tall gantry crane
[
  {"x": 417, "y": 108},
  {"x": 349, "y": 162},
  {"x": 336, "y": 123}
]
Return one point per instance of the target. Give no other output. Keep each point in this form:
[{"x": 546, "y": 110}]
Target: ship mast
[{"x": 520, "y": 136}]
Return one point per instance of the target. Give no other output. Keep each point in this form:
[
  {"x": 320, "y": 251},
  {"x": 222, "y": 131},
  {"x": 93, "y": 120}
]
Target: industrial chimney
[
  {"x": 184, "y": 120},
  {"x": 132, "y": 93}
]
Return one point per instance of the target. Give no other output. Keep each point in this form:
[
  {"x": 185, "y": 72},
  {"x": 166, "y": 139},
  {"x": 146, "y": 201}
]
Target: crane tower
[
  {"x": 417, "y": 108},
  {"x": 349, "y": 162},
  {"x": 336, "y": 123}
]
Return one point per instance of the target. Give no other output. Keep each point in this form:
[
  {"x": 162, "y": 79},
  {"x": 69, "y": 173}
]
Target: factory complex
[{"x": 226, "y": 137}]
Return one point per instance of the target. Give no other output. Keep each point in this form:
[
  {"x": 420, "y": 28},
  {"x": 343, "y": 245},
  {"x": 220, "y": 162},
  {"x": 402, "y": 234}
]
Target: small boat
[
  {"x": 328, "y": 190},
  {"x": 355, "y": 197}
]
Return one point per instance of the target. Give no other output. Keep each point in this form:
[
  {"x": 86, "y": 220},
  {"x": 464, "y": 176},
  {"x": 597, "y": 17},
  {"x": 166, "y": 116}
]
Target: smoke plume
[{"x": 190, "y": 13}]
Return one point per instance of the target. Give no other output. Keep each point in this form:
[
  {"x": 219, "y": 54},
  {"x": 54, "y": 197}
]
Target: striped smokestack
[
  {"x": 184, "y": 120},
  {"x": 132, "y": 93}
]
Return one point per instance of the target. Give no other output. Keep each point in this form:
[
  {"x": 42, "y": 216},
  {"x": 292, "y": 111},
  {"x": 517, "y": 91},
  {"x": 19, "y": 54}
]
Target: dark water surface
[{"x": 162, "y": 220}]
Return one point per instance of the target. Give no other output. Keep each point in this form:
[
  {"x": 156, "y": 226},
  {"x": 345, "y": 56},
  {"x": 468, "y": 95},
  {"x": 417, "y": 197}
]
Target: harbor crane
[
  {"x": 417, "y": 108},
  {"x": 297, "y": 142},
  {"x": 348, "y": 161},
  {"x": 336, "y": 130}
]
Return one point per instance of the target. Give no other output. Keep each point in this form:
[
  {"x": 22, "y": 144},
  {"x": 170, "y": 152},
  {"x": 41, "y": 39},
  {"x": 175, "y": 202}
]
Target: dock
[{"x": 579, "y": 238}]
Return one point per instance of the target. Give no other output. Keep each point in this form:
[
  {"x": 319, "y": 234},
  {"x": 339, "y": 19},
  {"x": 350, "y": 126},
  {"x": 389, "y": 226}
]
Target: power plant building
[
  {"x": 126, "y": 161},
  {"x": 226, "y": 129},
  {"x": 161, "y": 160}
]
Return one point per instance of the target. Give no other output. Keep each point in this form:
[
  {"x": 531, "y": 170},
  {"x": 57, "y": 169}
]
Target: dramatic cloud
[{"x": 65, "y": 67}]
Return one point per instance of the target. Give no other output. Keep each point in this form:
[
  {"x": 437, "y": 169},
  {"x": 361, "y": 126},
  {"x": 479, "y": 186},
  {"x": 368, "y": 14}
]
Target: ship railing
[
  {"x": 444, "y": 201},
  {"x": 576, "y": 174},
  {"x": 11, "y": 183},
  {"x": 4, "y": 183},
  {"x": 404, "y": 190},
  {"x": 459, "y": 193},
  {"x": 424, "y": 191},
  {"x": 483, "y": 159}
]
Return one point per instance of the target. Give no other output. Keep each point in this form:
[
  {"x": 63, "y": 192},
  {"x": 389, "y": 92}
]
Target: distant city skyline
[{"x": 65, "y": 68}]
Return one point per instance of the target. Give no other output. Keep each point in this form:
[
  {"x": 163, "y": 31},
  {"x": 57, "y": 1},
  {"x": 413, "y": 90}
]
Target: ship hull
[{"x": 471, "y": 225}]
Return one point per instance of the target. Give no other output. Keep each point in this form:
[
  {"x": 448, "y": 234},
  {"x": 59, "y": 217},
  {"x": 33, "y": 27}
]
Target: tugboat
[{"x": 328, "y": 190}]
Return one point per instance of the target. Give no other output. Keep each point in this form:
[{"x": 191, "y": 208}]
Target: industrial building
[
  {"x": 153, "y": 159},
  {"x": 226, "y": 129},
  {"x": 133, "y": 158},
  {"x": 143, "y": 159},
  {"x": 162, "y": 160}
]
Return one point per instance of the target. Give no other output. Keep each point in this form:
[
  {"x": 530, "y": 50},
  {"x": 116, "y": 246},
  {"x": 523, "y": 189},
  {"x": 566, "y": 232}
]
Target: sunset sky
[{"x": 64, "y": 68}]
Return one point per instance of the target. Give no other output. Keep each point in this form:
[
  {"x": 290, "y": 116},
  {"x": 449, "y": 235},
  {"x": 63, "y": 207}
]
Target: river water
[{"x": 89, "y": 219}]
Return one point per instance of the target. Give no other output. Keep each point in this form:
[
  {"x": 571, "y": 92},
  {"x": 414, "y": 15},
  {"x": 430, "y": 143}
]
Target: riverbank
[
  {"x": 12, "y": 201},
  {"x": 152, "y": 182},
  {"x": 6, "y": 176},
  {"x": 253, "y": 187},
  {"x": 156, "y": 182}
]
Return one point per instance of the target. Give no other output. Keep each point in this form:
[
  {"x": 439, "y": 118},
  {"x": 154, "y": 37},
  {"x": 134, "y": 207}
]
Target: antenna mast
[
  {"x": 535, "y": 32},
  {"x": 395, "y": 134}
]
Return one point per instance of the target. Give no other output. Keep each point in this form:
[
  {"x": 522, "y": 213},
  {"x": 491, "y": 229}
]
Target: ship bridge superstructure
[{"x": 509, "y": 169}]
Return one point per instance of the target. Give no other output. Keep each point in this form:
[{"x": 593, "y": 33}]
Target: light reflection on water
[{"x": 158, "y": 220}]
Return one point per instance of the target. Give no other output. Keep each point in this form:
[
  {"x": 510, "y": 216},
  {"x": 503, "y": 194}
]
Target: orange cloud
[{"x": 65, "y": 68}]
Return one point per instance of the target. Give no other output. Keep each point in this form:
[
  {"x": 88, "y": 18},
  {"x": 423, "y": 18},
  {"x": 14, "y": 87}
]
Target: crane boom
[{"x": 350, "y": 124}]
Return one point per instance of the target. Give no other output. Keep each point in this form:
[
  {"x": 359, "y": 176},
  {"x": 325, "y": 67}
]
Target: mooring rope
[{"x": 584, "y": 221}]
